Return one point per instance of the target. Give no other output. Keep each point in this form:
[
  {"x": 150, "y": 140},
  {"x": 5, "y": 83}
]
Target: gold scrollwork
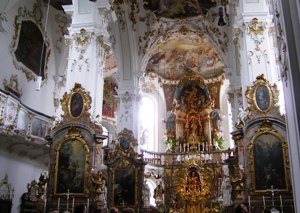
[
  {"x": 268, "y": 160},
  {"x": 195, "y": 183},
  {"x": 255, "y": 27},
  {"x": 76, "y": 104},
  {"x": 262, "y": 97}
]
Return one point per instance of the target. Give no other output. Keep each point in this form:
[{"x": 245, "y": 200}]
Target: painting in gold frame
[
  {"x": 76, "y": 103},
  {"x": 262, "y": 97},
  {"x": 71, "y": 167},
  {"x": 268, "y": 162},
  {"x": 124, "y": 185}
]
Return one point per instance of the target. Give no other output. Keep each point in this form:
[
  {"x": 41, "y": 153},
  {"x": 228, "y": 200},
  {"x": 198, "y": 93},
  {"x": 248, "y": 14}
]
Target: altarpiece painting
[{"x": 71, "y": 168}]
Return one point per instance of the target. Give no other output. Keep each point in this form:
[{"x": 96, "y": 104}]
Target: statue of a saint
[
  {"x": 226, "y": 189},
  {"x": 146, "y": 195},
  {"x": 242, "y": 116},
  {"x": 158, "y": 194}
]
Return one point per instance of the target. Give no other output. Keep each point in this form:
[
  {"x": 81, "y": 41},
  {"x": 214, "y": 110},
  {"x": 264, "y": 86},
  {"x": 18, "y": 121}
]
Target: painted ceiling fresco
[
  {"x": 179, "y": 8},
  {"x": 181, "y": 54}
]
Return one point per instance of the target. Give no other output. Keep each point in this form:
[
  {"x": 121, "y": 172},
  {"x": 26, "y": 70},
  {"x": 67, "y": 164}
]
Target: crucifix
[
  {"x": 123, "y": 204},
  {"x": 68, "y": 196}
]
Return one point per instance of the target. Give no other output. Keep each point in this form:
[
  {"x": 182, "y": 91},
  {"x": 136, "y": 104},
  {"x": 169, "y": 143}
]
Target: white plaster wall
[
  {"x": 41, "y": 101},
  {"x": 20, "y": 172}
]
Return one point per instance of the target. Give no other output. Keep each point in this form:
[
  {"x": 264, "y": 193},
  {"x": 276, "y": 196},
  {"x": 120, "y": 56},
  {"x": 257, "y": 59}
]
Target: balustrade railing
[
  {"x": 18, "y": 119},
  {"x": 161, "y": 159}
]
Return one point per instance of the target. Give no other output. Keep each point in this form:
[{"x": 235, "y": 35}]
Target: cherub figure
[{"x": 242, "y": 116}]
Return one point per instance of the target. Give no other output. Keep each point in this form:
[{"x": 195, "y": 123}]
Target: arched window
[
  {"x": 106, "y": 133},
  {"x": 147, "y": 123}
]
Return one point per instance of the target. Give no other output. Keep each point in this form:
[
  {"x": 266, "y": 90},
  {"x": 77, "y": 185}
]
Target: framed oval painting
[
  {"x": 262, "y": 98},
  {"x": 76, "y": 105}
]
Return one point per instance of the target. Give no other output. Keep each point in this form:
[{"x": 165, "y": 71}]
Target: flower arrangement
[
  {"x": 217, "y": 138},
  {"x": 172, "y": 143}
]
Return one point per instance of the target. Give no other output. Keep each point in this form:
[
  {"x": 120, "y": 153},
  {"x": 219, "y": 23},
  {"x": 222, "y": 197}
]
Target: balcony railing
[
  {"x": 162, "y": 159},
  {"x": 18, "y": 119}
]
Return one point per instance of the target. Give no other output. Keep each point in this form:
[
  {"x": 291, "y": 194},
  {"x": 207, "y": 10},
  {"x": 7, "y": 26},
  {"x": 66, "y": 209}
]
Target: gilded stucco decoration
[
  {"x": 62, "y": 22},
  {"x": 28, "y": 41},
  {"x": 195, "y": 183},
  {"x": 76, "y": 104},
  {"x": 12, "y": 85},
  {"x": 125, "y": 147},
  {"x": 281, "y": 43},
  {"x": 120, "y": 9},
  {"x": 268, "y": 161},
  {"x": 256, "y": 29},
  {"x": 6, "y": 189},
  {"x": 3, "y": 22},
  {"x": 262, "y": 97},
  {"x": 81, "y": 41}
]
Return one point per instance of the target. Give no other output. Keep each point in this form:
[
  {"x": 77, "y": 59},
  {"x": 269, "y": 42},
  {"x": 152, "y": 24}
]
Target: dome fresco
[{"x": 180, "y": 54}]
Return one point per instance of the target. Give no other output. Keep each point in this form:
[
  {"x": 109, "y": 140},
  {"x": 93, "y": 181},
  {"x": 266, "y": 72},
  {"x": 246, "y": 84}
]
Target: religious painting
[
  {"x": 179, "y": 8},
  {"x": 169, "y": 92},
  {"x": 109, "y": 92},
  {"x": 183, "y": 53},
  {"x": 38, "y": 127},
  {"x": 124, "y": 188},
  {"x": 76, "y": 105},
  {"x": 30, "y": 50},
  {"x": 262, "y": 97},
  {"x": 71, "y": 167},
  {"x": 268, "y": 160}
]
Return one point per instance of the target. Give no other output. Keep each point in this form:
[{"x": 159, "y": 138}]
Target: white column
[
  {"x": 87, "y": 49},
  {"x": 254, "y": 33}
]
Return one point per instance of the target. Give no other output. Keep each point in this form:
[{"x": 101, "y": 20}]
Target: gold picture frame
[
  {"x": 76, "y": 103},
  {"x": 124, "y": 184},
  {"x": 29, "y": 43},
  {"x": 71, "y": 165},
  {"x": 268, "y": 160},
  {"x": 262, "y": 97}
]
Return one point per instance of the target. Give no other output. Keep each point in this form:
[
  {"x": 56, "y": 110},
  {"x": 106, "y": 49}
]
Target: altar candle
[
  {"x": 73, "y": 204},
  {"x": 58, "y": 201},
  {"x": 280, "y": 202},
  {"x": 264, "y": 202},
  {"x": 88, "y": 204},
  {"x": 249, "y": 201},
  {"x": 45, "y": 205}
]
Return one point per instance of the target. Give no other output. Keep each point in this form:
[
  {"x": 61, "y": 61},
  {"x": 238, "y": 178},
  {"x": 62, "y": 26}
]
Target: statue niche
[{"x": 191, "y": 112}]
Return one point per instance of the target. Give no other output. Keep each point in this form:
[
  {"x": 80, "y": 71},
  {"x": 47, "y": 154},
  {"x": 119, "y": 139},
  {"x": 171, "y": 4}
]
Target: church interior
[{"x": 167, "y": 106}]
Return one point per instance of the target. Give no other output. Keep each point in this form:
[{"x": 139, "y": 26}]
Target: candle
[
  {"x": 73, "y": 204},
  {"x": 58, "y": 201},
  {"x": 281, "y": 203},
  {"x": 264, "y": 202},
  {"x": 249, "y": 201},
  {"x": 45, "y": 204},
  {"x": 88, "y": 204}
]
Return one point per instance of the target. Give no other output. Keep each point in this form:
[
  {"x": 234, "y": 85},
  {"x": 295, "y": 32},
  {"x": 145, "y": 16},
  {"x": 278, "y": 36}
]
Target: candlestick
[
  {"x": 58, "y": 201},
  {"x": 88, "y": 205},
  {"x": 249, "y": 202},
  {"x": 73, "y": 204},
  {"x": 281, "y": 203},
  {"x": 45, "y": 205},
  {"x": 264, "y": 202}
]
